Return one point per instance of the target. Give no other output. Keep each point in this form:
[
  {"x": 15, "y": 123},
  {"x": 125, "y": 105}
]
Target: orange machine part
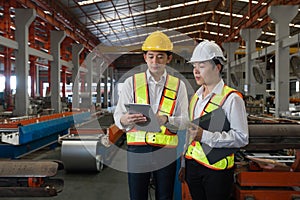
[
  {"x": 271, "y": 179},
  {"x": 114, "y": 133},
  {"x": 265, "y": 194},
  {"x": 15, "y": 124},
  {"x": 35, "y": 181}
]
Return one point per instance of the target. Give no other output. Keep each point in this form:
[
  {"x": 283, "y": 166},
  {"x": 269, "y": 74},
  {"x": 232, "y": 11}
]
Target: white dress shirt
[
  {"x": 234, "y": 108},
  {"x": 180, "y": 114}
]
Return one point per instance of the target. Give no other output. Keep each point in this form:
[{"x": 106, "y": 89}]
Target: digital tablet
[{"x": 151, "y": 125}]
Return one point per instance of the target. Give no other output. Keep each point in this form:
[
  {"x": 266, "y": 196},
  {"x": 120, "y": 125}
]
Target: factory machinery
[
  {"x": 269, "y": 167},
  {"x": 24, "y": 135},
  {"x": 30, "y": 178},
  {"x": 88, "y": 146}
]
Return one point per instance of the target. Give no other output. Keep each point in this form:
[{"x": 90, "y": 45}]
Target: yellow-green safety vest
[
  {"x": 167, "y": 104},
  {"x": 195, "y": 150}
]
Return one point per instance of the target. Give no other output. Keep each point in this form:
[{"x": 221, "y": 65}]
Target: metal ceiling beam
[
  {"x": 81, "y": 36},
  {"x": 254, "y": 18},
  {"x": 91, "y": 20}
]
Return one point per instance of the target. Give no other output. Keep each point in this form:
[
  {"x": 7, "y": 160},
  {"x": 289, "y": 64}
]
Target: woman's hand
[{"x": 195, "y": 132}]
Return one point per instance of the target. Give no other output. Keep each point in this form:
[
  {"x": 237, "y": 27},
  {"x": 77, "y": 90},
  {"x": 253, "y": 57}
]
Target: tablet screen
[{"x": 152, "y": 124}]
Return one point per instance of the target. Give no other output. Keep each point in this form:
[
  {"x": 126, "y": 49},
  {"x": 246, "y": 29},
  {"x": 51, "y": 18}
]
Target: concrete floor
[{"x": 108, "y": 184}]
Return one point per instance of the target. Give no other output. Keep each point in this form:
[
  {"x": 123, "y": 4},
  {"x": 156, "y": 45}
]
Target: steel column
[
  {"x": 250, "y": 36},
  {"x": 89, "y": 77},
  {"x": 105, "y": 93},
  {"x": 63, "y": 80},
  {"x": 282, "y": 15},
  {"x": 5, "y": 26},
  {"x": 24, "y": 17},
  {"x": 230, "y": 48},
  {"x": 56, "y": 37},
  {"x": 76, "y": 50}
]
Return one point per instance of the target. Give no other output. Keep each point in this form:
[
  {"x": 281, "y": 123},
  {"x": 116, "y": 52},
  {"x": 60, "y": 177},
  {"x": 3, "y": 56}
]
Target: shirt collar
[
  {"x": 151, "y": 78},
  {"x": 217, "y": 89}
]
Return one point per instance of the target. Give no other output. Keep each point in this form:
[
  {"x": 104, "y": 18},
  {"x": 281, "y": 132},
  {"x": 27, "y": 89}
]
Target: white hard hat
[{"x": 207, "y": 50}]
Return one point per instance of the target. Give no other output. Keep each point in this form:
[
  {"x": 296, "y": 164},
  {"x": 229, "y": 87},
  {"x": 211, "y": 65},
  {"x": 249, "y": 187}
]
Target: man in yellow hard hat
[{"x": 153, "y": 154}]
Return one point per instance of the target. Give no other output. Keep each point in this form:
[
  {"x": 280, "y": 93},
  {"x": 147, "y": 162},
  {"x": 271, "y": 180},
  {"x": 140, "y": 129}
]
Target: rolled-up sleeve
[
  {"x": 126, "y": 96},
  {"x": 180, "y": 116}
]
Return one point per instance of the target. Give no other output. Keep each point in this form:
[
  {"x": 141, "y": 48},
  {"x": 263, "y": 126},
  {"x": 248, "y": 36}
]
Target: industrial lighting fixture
[
  {"x": 81, "y": 3},
  {"x": 138, "y": 13},
  {"x": 158, "y": 7},
  {"x": 47, "y": 12}
]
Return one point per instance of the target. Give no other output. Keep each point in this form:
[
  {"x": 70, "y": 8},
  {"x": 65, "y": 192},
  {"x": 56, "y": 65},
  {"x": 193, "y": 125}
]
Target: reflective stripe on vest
[
  {"x": 195, "y": 150},
  {"x": 166, "y": 107}
]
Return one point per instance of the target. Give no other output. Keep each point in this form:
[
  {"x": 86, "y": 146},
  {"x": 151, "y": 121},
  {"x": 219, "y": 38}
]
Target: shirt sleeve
[
  {"x": 126, "y": 96},
  {"x": 238, "y": 135},
  {"x": 180, "y": 117}
]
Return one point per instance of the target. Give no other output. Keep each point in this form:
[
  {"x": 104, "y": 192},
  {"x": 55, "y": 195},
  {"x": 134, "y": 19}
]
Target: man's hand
[
  {"x": 162, "y": 119},
  {"x": 195, "y": 132},
  {"x": 131, "y": 119}
]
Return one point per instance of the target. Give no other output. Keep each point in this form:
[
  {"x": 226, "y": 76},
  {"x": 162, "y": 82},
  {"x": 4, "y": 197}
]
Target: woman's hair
[{"x": 218, "y": 61}]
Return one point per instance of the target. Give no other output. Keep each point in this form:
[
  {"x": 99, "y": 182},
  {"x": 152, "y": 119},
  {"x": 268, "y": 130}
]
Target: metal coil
[{"x": 78, "y": 155}]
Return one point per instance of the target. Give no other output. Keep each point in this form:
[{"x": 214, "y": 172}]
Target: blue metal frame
[{"x": 37, "y": 135}]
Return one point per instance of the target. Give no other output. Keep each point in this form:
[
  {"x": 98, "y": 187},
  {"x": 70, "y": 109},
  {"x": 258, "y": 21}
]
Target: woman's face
[{"x": 205, "y": 73}]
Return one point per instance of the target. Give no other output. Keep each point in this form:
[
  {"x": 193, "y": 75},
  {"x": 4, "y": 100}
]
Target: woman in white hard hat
[
  {"x": 167, "y": 97},
  {"x": 219, "y": 128}
]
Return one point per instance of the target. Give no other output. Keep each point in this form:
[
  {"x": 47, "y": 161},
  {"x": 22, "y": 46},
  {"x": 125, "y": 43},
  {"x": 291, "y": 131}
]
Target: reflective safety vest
[
  {"x": 195, "y": 150},
  {"x": 166, "y": 107}
]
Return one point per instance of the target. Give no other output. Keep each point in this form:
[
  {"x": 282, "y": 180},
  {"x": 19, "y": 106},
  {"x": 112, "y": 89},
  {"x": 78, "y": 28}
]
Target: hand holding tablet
[{"x": 151, "y": 125}]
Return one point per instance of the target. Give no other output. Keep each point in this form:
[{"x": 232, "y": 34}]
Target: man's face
[
  {"x": 205, "y": 73},
  {"x": 157, "y": 61}
]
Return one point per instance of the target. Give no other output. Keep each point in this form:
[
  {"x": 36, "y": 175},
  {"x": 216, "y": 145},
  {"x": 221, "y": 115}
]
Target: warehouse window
[{"x": 13, "y": 84}]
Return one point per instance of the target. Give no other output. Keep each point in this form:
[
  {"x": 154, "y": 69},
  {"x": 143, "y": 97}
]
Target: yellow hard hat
[{"x": 157, "y": 41}]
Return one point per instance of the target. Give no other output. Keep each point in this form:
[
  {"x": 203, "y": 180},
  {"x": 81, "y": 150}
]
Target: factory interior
[{"x": 63, "y": 64}]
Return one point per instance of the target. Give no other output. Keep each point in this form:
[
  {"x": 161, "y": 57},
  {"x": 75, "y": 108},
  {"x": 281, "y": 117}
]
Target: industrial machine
[
  {"x": 23, "y": 135},
  {"x": 88, "y": 146},
  {"x": 269, "y": 167},
  {"x": 30, "y": 178}
]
